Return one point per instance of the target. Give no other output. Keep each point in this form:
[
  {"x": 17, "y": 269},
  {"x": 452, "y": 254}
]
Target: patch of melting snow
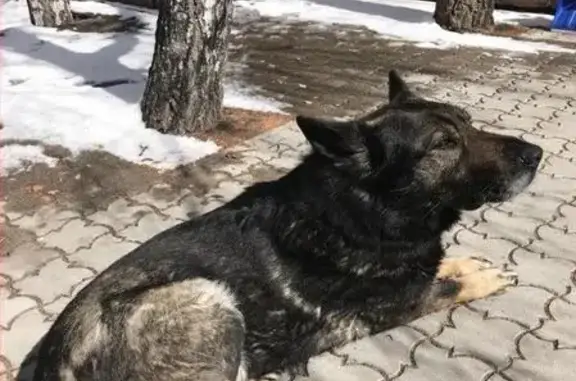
[
  {"x": 47, "y": 93},
  {"x": 408, "y": 20}
]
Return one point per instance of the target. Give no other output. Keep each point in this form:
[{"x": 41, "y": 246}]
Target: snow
[
  {"x": 409, "y": 20},
  {"x": 46, "y": 93},
  {"x": 47, "y": 74}
]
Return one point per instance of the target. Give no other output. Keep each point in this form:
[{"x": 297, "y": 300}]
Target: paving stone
[
  {"x": 549, "y": 100},
  {"x": 13, "y": 306},
  {"x": 182, "y": 211},
  {"x": 548, "y": 144},
  {"x": 475, "y": 336},
  {"x": 435, "y": 364},
  {"x": 389, "y": 352},
  {"x": 566, "y": 89},
  {"x": 5, "y": 368},
  {"x": 560, "y": 167},
  {"x": 329, "y": 368},
  {"x": 529, "y": 206},
  {"x": 104, "y": 250},
  {"x": 562, "y": 327},
  {"x": 553, "y": 273},
  {"x": 536, "y": 111},
  {"x": 523, "y": 304},
  {"x": 567, "y": 219},
  {"x": 226, "y": 190},
  {"x": 211, "y": 205},
  {"x": 496, "y": 129},
  {"x": 255, "y": 156},
  {"x": 500, "y": 102},
  {"x": 500, "y": 225},
  {"x": 518, "y": 121},
  {"x": 53, "y": 308},
  {"x": 120, "y": 214},
  {"x": 285, "y": 162},
  {"x": 146, "y": 227},
  {"x": 555, "y": 243},
  {"x": 56, "y": 306},
  {"x": 566, "y": 119},
  {"x": 148, "y": 199},
  {"x": 74, "y": 235},
  {"x": 24, "y": 334},
  {"x": 472, "y": 244},
  {"x": 45, "y": 220},
  {"x": 542, "y": 362},
  {"x": 484, "y": 115},
  {"x": 50, "y": 283},
  {"x": 26, "y": 259},
  {"x": 555, "y": 129},
  {"x": 290, "y": 136},
  {"x": 546, "y": 186},
  {"x": 188, "y": 204}
]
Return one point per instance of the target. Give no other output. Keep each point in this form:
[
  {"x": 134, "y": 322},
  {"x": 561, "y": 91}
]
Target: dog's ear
[
  {"x": 397, "y": 88},
  {"x": 340, "y": 141}
]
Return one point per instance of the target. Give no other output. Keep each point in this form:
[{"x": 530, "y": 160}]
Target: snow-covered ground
[
  {"x": 46, "y": 94},
  {"x": 46, "y": 75},
  {"x": 409, "y": 20}
]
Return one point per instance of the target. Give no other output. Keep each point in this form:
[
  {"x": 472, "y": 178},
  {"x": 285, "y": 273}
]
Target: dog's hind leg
[
  {"x": 186, "y": 331},
  {"x": 461, "y": 280}
]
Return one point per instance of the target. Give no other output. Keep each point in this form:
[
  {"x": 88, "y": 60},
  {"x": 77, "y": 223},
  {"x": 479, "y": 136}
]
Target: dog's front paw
[
  {"x": 460, "y": 266},
  {"x": 483, "y": 283}
]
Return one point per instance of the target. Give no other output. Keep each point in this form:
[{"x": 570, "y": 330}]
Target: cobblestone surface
[{"x": 525, "y": 334}]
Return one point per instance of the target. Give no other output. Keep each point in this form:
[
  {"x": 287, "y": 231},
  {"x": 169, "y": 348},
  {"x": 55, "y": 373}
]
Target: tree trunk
[
  {"x": 49, "y": 13},
  {"x": 184, "y": 90},
  {"x": 465, "y": 15}
]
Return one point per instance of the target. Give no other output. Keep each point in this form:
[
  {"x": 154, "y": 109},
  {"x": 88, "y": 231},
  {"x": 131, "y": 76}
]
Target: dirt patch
[
  {"x": 94, "y": 179},
  {"x": 239, "y": 125},
  {"x": 509, "y": 30},
  {"x": 12, "y": 237}
]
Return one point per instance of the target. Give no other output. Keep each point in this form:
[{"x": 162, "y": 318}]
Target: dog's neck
[
  {"x": 357, "y": 228},
  {"x": 390, "y": 215}
]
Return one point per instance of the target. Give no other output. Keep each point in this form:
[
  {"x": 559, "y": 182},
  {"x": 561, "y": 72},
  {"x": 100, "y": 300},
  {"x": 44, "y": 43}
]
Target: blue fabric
[{"x": 565, "y": 15}]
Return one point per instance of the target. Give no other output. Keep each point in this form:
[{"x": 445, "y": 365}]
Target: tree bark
[
  {"x": 465, "y": 15},
  {"x": 184, "y": 91},
  {"x": 49, "y": 13}
]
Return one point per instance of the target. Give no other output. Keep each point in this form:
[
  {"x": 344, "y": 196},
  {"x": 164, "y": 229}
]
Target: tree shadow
[
  {"x": 100, "y": 69},
  {"x": 399, "y": 13}
]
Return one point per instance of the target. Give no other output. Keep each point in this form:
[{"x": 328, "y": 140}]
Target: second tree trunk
[{"x": 465, "y": 15}]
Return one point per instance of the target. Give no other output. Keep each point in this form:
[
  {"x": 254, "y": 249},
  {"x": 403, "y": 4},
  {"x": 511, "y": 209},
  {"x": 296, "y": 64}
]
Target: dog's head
[{"x": 427, "y": 150}]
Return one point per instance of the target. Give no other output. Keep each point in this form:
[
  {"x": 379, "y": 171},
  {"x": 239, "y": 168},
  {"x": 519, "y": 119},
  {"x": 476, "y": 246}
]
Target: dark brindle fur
[{"x": 345, "y": 245}]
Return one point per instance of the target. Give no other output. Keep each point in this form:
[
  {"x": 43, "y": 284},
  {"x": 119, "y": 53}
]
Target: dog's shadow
[{"x": 26, "y": 371}]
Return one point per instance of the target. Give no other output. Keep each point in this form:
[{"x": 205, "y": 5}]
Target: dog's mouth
[
  {"x": 510, "y": 175},
  {"x": 502, "y": 188},
  {"x": 511, "y": 188}
]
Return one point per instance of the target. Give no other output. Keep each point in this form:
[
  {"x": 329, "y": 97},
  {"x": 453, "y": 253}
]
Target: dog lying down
[{"x": 346, "y": 245}]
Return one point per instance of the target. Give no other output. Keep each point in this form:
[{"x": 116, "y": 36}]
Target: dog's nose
[{"x": 530, "y": 155}]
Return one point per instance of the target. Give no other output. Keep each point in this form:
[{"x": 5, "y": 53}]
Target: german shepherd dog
[{"x": 345, "y": 245}]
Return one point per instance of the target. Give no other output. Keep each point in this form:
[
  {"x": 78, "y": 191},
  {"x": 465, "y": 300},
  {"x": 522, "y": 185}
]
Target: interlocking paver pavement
[{"x": 527, "y": 333}]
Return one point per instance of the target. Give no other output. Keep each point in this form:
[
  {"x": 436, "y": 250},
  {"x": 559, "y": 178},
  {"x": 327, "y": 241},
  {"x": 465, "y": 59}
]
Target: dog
[{"x": 346, "y": 245}]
